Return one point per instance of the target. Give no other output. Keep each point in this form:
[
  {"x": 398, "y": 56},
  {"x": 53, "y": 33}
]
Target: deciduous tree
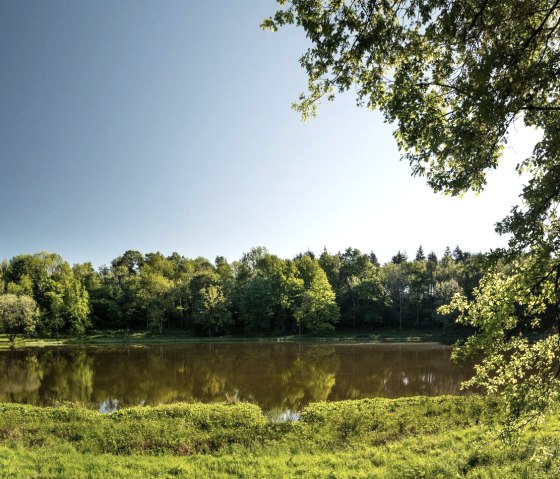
[
  {"x": 18, "y": 315},
  {"x": 454, "y": 76}
]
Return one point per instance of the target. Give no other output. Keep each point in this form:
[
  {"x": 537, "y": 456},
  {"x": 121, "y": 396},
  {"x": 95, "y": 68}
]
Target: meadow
[{"x": 408, "y": 438}]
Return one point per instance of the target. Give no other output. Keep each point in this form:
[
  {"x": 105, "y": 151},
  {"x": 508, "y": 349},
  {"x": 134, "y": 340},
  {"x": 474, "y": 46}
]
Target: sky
[{"x": 166, "y": 126}]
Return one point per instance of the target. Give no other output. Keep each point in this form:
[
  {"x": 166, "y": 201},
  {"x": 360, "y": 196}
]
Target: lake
[{"x": 278, "y": 376}]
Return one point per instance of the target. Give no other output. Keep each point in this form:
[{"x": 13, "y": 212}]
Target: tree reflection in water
[
  {"x": 20, "y": 377},
  {"x": 277, "y": 376}
]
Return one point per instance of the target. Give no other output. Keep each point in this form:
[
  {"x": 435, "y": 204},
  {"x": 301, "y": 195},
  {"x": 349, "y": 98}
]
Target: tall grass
[{"x": 444, "y": 437}]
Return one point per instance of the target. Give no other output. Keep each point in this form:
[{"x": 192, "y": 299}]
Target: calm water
[{"x": 277, "y": 376}]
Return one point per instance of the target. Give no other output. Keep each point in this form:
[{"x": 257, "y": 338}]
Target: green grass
[
  {"x": 412, "y": 438},
  {"x": 115, "y": 337}
]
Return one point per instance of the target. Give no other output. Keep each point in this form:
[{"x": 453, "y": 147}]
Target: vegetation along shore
[
  {"x": 42, "y": 295},
  {"x": 419, "y": 437}
]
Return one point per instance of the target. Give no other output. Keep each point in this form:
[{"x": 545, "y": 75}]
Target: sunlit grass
[{"x": 444, "y": 437}]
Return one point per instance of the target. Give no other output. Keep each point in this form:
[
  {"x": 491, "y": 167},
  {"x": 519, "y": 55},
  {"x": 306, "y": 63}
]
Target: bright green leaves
[
  {"x": 453, "y": 77},
  {"x": 213, "y": 313},
  {"x": 61, "y": 297},
  {"x": 522, "y": 369},
  {"x": 156, "y": 292},
  {"x": 523, "y": 375},
  {"x": 18, "y": 315},
  {"x": 316, "y": 309}
]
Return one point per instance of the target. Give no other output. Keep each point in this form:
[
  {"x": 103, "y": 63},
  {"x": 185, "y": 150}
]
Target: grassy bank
[
  {"x": 412, "y": 438},
  {"x": 116, "y": 337}
]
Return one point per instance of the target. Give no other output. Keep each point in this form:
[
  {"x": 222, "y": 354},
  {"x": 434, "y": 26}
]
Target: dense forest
[{"x": 259, "y": 294}]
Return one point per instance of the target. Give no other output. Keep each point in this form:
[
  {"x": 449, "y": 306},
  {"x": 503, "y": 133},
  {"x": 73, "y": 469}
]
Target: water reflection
[{"x": 277, "y": 376}]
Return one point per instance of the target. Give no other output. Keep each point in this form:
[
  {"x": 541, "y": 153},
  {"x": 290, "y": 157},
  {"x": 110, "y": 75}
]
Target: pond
[{"x": 281, "y": 377}]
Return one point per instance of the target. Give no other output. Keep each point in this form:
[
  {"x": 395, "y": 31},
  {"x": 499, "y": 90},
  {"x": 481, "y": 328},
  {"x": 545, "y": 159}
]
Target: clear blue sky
[{"x": 166, "y": 126}]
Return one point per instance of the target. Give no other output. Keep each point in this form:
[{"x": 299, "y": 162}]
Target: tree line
[{"x": 259, "y": 294}]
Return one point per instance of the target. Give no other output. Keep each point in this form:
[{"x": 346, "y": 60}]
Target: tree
[
  {"x": 395, "y": 278},
  {"x": 131, "y": 260},
  {"x": 156, "y": 293},
  {"x": 331, "y": 264},
  {"x": 352, "y": 269},
  {"x": 458, "y": 254},
  {"x": 257, "y": 302},
  {"x": 76, "y": 307},
  {"x": 454, "y": 76},
  {"x": 183, "y": 272},
  {"x": 418, "y": 279},
  {"x": 360, "y": 293},
  {"x": 52, "y": 317},
  {"x": 317, "y": 311},
  {"x": 399, "y": 258},
  {"x": 372, "y": 298},
  {"x": 63, "y": 302},
  {"x": 443, "y": 293},
  {"x": 373, "y": 259},
  {"x": 431, "y": 268},
  {"x": 212, "y": 313},
  {"x": 18, "y": 315},
  {"x": 3, "y": 269}
]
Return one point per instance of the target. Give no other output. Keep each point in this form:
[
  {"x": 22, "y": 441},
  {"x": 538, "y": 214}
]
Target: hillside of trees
[{"x": 259, "y": 294}]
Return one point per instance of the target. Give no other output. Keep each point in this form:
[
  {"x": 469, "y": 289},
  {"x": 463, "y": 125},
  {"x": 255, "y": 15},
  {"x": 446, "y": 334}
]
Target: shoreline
[
  {"x": 121, "y": 337},
  {"x": 444, "y": 436}
]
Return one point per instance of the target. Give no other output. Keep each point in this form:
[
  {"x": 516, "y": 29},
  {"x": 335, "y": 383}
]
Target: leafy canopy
[
  {"x": 454, "y": 76},
  {"x": 18, "y": 315}
]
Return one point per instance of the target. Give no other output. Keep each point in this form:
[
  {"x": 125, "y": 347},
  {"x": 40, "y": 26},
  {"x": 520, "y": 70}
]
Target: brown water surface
[{"x": 276, "y": 376}]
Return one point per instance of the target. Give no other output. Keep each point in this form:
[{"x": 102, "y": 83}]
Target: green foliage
[
  {"x": 379, "y": 419},
  {"x": 454, "y": 76},
  {"x": 212, "y": 313},
  {"x": 386, "y": 439},
  {"x": 179, "y": 429},
  {"x": 76, "y": 307},
  {"x": 18, "y": 315},
  {"x": 155, "y": 293},
  {"x": 63, "y": 302},
  {"x": 260, "y": 294},
  {"x": 506, "y": 303},
  {"x": 361, "y": 294},
  {"x": 317, "y": 309}
]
